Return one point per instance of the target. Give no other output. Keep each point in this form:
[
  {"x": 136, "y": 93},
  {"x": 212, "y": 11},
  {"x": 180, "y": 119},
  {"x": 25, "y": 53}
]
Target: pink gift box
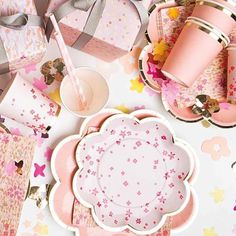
[
  {"x": 115, "y": 34},
  {"x": 24, "y": 46}
]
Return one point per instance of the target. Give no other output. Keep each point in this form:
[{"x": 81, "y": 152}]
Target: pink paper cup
[
  {"x": 24, "y": 103},
  {"x": 231, "y": 74},
  {"x": 215, "y": 13},
  {"x": 95, "y": 89},
  {"x": 195, "y": 48}
]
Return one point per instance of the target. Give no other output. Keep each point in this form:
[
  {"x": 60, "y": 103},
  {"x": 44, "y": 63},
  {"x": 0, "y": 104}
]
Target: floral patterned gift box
[
  {"x": 115, "y": 31},
  {"x": 22, "y": 40}
]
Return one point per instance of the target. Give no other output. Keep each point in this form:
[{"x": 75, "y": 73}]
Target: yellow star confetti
[
  {"x": 41, "y": 229},
  {"x": 160, "y": 51},
  {"x": 173, "y": 13},
  {"x": 136, "y": 85},
  {"x": 209, "y": 232},
  {"x": 123, "y": 108},
  {"x": 55, "y": 96},
  {"x": 218, "y": 195}
]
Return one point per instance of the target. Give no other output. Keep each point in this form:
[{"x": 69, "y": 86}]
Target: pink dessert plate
[
  {"x": 225, "y": 118},
  {"x": 118, "y": 153},
  {"x": 62, "y": 197}
]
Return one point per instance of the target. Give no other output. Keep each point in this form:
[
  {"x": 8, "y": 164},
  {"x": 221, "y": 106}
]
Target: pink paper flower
[
  {"x": 169, "y": 90},
  {"x": 216, "y": 147}
]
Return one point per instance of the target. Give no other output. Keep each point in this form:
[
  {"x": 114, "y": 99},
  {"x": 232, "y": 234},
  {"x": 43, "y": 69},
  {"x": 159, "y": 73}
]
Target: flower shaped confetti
[
  {"x": 53, "y": 70},
  {"x": 216, "y": 147},
  {"x": 205, "y": 105},
  {"x": 119, "y": 153}
]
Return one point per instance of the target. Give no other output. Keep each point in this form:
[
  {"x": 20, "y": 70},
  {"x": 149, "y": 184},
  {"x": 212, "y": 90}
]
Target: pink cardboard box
[
  {"x": 116, "y": 31},
  {"x": 26, "y": 45}
]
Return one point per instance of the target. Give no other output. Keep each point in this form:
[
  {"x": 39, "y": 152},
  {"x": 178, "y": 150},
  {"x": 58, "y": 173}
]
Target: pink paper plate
[
  {"x": 225, "y": 118},
  {"x": 138, "y": 202},
  {"x": 62, "y": 197}
]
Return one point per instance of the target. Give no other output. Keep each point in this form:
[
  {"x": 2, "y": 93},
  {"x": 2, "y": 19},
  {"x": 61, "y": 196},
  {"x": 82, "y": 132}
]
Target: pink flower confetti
[
  {"x": 39, "y": 83},
  {"x": 39, "y": 170}
]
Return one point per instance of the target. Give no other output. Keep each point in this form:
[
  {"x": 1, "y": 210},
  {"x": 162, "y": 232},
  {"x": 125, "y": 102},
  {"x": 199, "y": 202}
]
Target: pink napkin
[{"x": 16, "y": 155}]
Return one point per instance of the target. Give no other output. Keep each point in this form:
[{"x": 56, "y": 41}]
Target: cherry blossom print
[{"x": 121, "y": 158}]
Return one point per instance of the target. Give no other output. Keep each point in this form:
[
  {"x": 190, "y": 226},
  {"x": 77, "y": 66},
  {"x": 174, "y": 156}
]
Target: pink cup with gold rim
[
  {"x": 198, "y": 44},
  {"x": 231, "y": 74},
  {"x": 216, "y": 13}
]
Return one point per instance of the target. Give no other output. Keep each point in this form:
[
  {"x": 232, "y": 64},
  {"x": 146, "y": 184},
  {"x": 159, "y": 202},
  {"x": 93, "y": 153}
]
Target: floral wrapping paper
[
  {"x": 115, "y": 34},
  {"x": 16, "y": 155},
  {"x": 23, "y": 46},
  {"x": 211, "y": 82}
]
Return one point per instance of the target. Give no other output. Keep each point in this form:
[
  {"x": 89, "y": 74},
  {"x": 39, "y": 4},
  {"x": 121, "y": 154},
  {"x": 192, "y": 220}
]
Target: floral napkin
[{"x": 16, "y": 155}]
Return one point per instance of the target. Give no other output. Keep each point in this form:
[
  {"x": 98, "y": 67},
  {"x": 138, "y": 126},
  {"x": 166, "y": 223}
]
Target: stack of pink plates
[{"x": 124, "y": 173}]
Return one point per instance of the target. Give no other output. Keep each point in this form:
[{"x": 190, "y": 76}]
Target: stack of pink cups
[{"x": 204, "y": 35}]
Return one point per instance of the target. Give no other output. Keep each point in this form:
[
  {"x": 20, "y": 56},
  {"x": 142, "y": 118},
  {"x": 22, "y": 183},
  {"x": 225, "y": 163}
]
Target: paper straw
[{"x": 68, "y": 63}]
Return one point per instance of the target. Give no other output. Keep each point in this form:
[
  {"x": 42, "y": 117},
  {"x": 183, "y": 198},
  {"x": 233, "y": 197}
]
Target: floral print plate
[{"x": 112, "y": 181}]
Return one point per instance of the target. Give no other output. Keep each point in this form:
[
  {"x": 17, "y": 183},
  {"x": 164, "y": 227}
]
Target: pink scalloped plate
[
  {"x": 225, "y": 118},
  {"x": 118, "y": 154},
  {"x": 62, "y": 197}
]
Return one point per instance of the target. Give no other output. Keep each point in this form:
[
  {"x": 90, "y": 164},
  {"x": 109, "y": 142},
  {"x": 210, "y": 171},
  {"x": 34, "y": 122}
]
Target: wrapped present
[
  {"x": 212, "y": 81},
  {"x": 99, "y": 30},
  {"x": 16, "y": 155},
  {"x": 22, "y": 40}
]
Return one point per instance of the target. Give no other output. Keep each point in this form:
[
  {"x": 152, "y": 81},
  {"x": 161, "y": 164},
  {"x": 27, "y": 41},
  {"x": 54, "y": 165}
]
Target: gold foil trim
[
  {"x": 207, "y": 31},
  {"x": 217, "y": 6},
  {"x": 40, "y": 194}
]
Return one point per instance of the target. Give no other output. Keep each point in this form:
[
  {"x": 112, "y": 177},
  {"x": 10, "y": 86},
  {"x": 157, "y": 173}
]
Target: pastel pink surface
[
  {"x": 97, "y": 185},
  {"x": 25, "y": 46},
  {"x": 181, "y": 65},
  {"x": 184, "y": 216},
  {"x": 65, "y": 167},
  {"x": 216, "y": 17},
  {"x": 108, "y": 43}
]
